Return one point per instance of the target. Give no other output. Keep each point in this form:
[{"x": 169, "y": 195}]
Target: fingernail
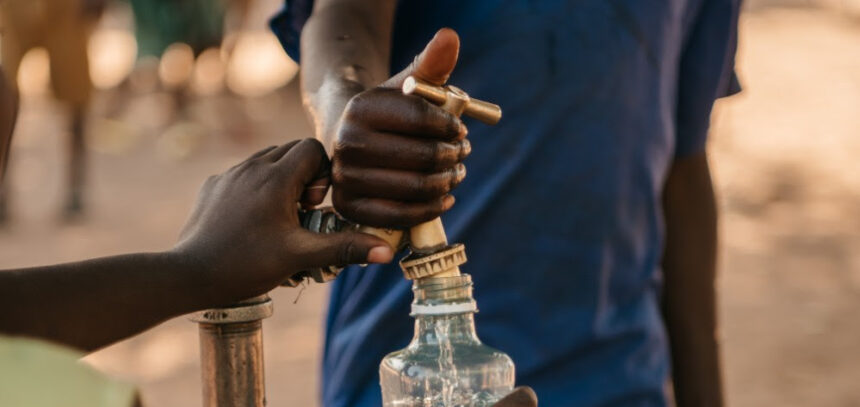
[
  {"x": 460, "y": 172},
  {"x": 380, "y": 254},
  {"x": 448, "y": 202},
  {"x": 464, "y": 131},
  {"x": 466, "y": 146}
]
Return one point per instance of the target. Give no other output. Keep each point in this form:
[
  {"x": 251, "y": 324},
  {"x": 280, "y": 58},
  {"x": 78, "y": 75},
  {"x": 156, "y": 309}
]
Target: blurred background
[{"x": 172, "y": 103}]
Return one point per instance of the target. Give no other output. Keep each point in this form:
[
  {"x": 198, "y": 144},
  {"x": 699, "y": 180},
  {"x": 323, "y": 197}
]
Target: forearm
[
  {"x": 689, "y": 267},
  {"x": 345, "y": 49},
  {"x": 93, "y": 303}
]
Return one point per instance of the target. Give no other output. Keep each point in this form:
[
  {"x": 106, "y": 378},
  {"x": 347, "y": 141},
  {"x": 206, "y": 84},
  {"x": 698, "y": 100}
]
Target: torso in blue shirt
[{"x": 560, "y": 212}]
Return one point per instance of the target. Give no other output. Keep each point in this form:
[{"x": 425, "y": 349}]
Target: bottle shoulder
[{"x": 463, "y": 355}]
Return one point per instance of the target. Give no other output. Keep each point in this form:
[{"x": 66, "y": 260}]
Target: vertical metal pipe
[
  {"x": 231, "y": 358},
  {"x": 231, "y": 354}
]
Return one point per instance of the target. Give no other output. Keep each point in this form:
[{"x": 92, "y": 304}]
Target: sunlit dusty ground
[
  {"x": 786, "y": 161},
  {"x": 784, "y": 157}
]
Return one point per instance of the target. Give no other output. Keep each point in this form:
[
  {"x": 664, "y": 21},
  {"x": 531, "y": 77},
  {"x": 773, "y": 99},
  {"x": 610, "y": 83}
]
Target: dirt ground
[{"x": 784, "y": 159}]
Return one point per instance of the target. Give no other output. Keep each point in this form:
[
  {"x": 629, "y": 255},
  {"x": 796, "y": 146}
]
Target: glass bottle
[{"x": 445, "y": 365}]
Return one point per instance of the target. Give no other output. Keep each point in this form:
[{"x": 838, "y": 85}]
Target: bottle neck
[{"x": 444, "y": 310}]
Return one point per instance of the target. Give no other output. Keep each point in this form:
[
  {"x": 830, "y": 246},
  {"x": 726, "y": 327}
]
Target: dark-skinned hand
[
  {"x": 244, "y": 231},
  {"x": 397, "y": 157},
  {"x": 521, "y": 397}
]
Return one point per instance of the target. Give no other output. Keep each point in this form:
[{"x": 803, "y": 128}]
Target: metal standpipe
[{"x": 231, "y": 353}]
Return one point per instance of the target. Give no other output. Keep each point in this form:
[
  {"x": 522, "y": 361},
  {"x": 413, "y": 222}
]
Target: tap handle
[{"x": 444, "y": 96}]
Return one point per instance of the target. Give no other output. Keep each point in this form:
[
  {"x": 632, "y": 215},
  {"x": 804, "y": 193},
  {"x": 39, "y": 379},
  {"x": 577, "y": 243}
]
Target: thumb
[
  {"x": 434, "y": 64},
  {"x": 343, "y": 248}
]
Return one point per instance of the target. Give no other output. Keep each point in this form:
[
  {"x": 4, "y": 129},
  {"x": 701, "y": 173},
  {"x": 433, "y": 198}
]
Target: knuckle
[
  {"x": 347, "y": 252},
  {"x": 352, "y": 110},
  {"x": 347, "y": 143},
  {"x": 311, "y": 148},
  {"x": 360, "y": 105},
  {"x": 439, "y": 152},
  {"x": 347, "y": 177},
  {"x": 434, "y": 154},
  {"x": 339, "y": 174},
  {"x": 434, "y": 186},
  {"x": 445, "y": 122},
  {"x": 452, "y": 125},
  {"x": 316, "y": 145},
  {"x": 439, "y": 156},
  {"x": 419, "y": 185},
  {"x": 436, "y": 120},
  {"x": 425, "y": 112}
]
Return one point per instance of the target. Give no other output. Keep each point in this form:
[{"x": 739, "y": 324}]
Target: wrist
[
  {"x": 326, "y": 105},
  {"x": 193, "y": 280},
  {"x": 209, "y": 282}
]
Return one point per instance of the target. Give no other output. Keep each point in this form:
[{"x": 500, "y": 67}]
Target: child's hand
[{"x": 244, "y": 235}]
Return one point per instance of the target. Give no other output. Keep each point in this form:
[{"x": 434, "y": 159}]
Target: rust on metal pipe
[
  {"x": 231, "y": 357},
  {"x": 231, "y": 353}
]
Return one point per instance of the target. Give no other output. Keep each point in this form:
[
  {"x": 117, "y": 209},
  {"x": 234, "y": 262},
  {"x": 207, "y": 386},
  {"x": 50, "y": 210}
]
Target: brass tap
[{"x": 486, "y": 112}]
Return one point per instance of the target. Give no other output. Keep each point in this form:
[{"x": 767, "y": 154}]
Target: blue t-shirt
[{"x": 561, "y": 211}]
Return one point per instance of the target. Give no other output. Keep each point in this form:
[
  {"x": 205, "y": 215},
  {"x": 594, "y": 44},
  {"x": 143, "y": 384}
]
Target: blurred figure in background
[
  {"x": 63, "y": 29},
  {"x": 184, "y": 51},
  {"x": 176, "y": 32}
]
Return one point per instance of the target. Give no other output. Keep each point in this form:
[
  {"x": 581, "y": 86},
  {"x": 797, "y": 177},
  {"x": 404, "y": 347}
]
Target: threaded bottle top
[{"x": 443, "y": 296}]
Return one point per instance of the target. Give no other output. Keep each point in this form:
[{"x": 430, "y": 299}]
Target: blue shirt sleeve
[
  {"x": 706, "y": 72},
  {"x": 288, "y": 23}
]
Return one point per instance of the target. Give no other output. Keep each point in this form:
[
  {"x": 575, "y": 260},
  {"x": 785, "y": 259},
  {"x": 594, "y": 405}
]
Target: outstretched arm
[
  {"x": 242, "y": 240},
  {"x": 92, "y": 303}
]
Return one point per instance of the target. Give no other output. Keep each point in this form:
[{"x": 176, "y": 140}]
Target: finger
[
  {"x": 261, "y": 152},
  {"x": 386, "y": 213},
  {"x": 253, "y": 157},
  {"x": 391, "y": 111},
  {"x": 397, "y": 152},
  {"x": 277, "y": 153},
  {"x": 435, "y": 63},
  {"x": 315, "y": 192},
  {"x": 521, "y": 397},
  {"x": 302, "y": 165},
  {"x": 398, "y": 185},
  {"x": 339, "y": 249}
]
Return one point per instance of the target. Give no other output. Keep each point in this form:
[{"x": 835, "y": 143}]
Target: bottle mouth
[{"x": 443, "y": 296}]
